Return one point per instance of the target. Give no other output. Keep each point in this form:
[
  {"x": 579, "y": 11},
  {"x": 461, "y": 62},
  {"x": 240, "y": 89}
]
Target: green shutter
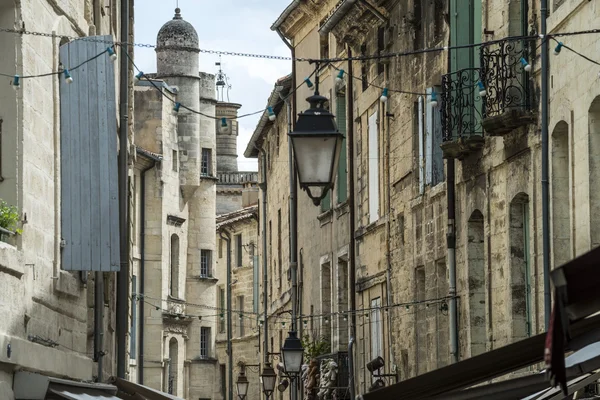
[
  {"x": 342, "y": 180},
  {"x": 326, "y": 202}
]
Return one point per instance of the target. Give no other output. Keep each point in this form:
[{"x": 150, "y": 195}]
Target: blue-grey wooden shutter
[{"x": 88, "y": 145}]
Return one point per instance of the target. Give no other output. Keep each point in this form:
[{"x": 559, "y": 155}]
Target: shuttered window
[{"x": 88, "y": 159}]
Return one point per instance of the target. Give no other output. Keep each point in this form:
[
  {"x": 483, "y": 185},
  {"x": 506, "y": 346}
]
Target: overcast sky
[{"x": 226, "y": 25}]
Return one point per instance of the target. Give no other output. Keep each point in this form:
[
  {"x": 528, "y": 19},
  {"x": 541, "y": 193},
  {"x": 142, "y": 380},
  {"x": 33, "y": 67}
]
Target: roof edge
[{"x": 286, "y": 13}]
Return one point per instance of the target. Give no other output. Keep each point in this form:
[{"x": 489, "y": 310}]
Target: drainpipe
[
  {"x": 227, "y": 238},
  {"x": 142, "y": 268},
  {"x": 263, "y": 189},
  {"x": 386, "y": 108},
  {"x": 99, "y": 323},
  {"x": 351, "y": 249},
  {"x": 451, "y": 241},
  {"x": 123, "y": 274},
  {"x": 545, "y": 168}
]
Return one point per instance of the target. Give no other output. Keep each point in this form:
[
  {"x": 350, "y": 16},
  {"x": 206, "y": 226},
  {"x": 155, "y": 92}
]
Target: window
[
  {"x": 238, "y": 250},
  {"x": 270, "y": 259},
  {"x": 204, "y": 342},
  {"x": 205, "y": 263},
  {"x": 342, "y": 177},
  {"x": 133, "y": 328},
  {"x": 324, "y": 45},
  {"x": 221, "y": 310},
  {"x": 373, "y": 168},
  {"x": 206, "y": 166},
  {"x": 434, "y": 159},
  {"x": 223, "y": 369},
  {"x": 173, "y": 366},
  {"x": 240, "y": 302},
  {"x": 174, "y": 160},
  {"x": 220, "y": 248},
  {"x": 279, "y": 255},
  {"x": 376, "y": 330},
  {"x": 326, "y": 202},
  {"x": 418, "y": 38},
  {"x": 174, "y": 284}
]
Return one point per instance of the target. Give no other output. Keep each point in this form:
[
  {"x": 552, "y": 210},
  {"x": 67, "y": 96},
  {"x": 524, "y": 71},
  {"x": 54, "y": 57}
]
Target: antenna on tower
[{"x": 222, "y": 84}]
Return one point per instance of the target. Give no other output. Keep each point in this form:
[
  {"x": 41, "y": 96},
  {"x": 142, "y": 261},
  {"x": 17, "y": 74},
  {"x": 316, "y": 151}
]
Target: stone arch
[
  {"x": 174, "y": 267},
  {"x": 172, "y": 374},
  {"x": 476, "y": 282},
  {"x": 561, "y": 209},
  {"x": 594, "y": 155},
  {"x": 520, "y": 266}
]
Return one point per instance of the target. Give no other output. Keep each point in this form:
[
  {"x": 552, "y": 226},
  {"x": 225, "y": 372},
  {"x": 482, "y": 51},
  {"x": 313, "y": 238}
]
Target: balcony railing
[
  {"x": 462, "y": 130},
  {"x": 507, "y": 105},
  {"x": 237, "y": 177}
]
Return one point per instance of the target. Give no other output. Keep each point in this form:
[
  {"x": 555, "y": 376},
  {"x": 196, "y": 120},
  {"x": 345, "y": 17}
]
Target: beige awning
[{"x": 132, "y": 390}]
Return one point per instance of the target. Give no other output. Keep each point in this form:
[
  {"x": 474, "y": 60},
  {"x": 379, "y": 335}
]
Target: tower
[{"x": 177, "y": 60}]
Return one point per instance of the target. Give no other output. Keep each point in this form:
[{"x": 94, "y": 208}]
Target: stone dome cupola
[{"x": 177, "y": 34}]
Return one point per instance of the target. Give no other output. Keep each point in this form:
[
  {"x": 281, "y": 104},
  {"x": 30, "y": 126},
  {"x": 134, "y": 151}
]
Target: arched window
[
  {"x": 594, "y": 151},
  {"x": 173, "y": 366},
  {"x": 561, "y": 210},
  {"x": 520, "y": 266},
  {"x": 174, "y": 273},
  {"x": 476, "y": 280}
]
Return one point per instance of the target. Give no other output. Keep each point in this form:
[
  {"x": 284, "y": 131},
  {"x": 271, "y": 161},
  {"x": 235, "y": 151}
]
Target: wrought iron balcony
[
  {"x": 461, "y": 113},
  {"x": 507, "y": 105}
]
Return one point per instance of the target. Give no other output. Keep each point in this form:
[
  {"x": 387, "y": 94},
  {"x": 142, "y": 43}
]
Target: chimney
[{"x": 249, "y": 194}]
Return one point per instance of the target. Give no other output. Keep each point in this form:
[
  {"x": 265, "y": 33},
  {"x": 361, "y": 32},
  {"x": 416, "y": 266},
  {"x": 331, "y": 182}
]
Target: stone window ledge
[
  {"x": 209, "y": 178},
  {"x": 11, "y": 260},
  {"x": 204, "y": 360},
  {"x": 209, "y": 279},
  {"x": 341, "y": 209},
  {"x": 325, "y": 217}
]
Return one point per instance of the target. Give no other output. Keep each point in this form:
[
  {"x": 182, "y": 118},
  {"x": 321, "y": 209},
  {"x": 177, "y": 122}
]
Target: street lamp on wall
[
  {"x": 268, "y": 378},
  {"x": 317, "y": 143},
  {"x": 292, "y": 353},
  {"x": 242, "y": 385}
]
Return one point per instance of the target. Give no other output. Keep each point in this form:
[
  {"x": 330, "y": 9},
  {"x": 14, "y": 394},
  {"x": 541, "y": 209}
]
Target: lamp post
[
  {"x": 268, "y": 378},
  {"x": 242, "y": 385},
  {"x": 314, "y": 152}
]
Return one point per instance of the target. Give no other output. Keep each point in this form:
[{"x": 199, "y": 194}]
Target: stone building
[
  {"x": 174, "y": 200},
  {"x": 240, "y": 227},
  {"x": 47, "y": 291},
  {"x": 322, "y": 230},
  {"x": 460, "y": 124}
]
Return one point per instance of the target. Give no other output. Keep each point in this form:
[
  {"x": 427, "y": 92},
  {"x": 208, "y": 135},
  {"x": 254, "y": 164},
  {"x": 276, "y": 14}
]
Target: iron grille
[
  {"x": 506, "y": 82},
  {"x": 461, "y": 105}
]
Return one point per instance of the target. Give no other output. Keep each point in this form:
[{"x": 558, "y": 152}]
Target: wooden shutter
[{"x": 88, "y": 145}]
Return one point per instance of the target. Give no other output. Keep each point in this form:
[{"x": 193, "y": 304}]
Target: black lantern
[
  {"x": 292, "y": 353},
  {"x": 268, "y": 378},
  {"x": 242, "y": 385},
  {"x": 317, "y": 144}
]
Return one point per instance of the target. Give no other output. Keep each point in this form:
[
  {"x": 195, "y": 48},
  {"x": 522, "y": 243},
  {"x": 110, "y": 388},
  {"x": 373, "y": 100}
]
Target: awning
[
  {"x": 32, "y": 386},
  {"x": 129, "y": 390},
  {"x": 78, "y": 393}
]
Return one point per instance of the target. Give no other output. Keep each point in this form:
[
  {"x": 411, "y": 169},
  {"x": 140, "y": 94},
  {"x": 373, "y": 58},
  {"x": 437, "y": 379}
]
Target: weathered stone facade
[
  {"x": 242, "y": 227},
  {"x": 47, "y": 313},
  {"x": 400, "y": 152},
  {"x": 176, "y": 156}
]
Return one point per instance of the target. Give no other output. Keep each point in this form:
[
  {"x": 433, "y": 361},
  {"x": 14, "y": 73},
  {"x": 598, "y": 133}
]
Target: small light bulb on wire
[
  {"x": 138, "y": 77},
  {"x": 176, "y": 108},
  {"x": 16, "y": 82},
  {"x": 308, "y": 83},
  {"x": 271, "y": 113},
  {"x": 558, "y": 48},
  {"x": 384, "y": 95},
  {"x": 111, "y": 53},
  {"x": 526, "y": 65},
  {"x": 434, "y": 102},
  {"x": 482, "y": 90},
  {"x": 340, "y": 76},
  {"x": 68, "y": 77}
]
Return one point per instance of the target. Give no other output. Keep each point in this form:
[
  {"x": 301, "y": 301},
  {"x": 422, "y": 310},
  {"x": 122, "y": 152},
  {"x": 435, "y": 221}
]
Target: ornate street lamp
[
  {"x": 268, "y": 378},
  {"x": 317, "y": 144},
  {"x": 292, "y": 353},
  {"x": 242, "y": 385}
]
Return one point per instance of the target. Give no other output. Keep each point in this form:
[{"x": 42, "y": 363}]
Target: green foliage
[
  {"x": 9, "y": 217},
  {"x": 315, "y": 346}
]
